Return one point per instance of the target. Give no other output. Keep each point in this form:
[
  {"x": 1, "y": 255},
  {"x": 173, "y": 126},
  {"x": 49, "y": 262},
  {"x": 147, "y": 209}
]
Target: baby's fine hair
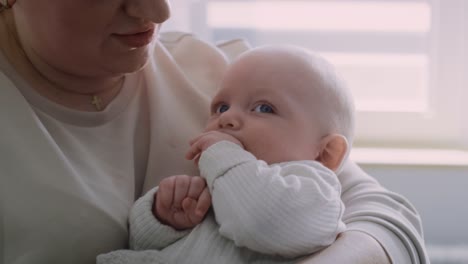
[
  {"x": 334, "y": 108},
  {"x": 338, "y": 115}
]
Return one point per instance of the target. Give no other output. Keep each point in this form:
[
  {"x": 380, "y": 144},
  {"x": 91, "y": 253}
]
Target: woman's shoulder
[
  {"x": 178, "y": 41},
  {"x": 201, "y": 62}
]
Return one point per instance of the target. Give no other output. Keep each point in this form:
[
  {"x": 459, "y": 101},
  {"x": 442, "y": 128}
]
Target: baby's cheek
[{"x": 269, "y": 152}]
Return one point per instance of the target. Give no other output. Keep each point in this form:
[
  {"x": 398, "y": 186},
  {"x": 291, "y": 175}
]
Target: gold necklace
[{"x": 96, "y": 100}]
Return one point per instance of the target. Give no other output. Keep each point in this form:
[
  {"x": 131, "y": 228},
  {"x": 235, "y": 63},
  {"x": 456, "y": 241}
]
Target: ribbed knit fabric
[
  {"x": 263, "y": 213},
  {"x": 288, "y": 209}
]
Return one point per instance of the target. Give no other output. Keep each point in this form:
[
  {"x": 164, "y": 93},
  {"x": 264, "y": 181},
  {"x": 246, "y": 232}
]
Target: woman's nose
[
  {"x": 230, "y": 120},
  {"x": 156, "y": 11}
]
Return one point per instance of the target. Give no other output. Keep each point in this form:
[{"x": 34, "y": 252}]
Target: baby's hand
[
  {"x": 182, "y": 201},
  {"x": 205, "y": 140}
]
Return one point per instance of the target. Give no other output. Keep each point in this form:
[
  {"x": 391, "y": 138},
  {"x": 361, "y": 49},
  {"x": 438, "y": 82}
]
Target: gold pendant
[
  {"x": 4, "y": 5},
  {"x": 97, "y": 102}
]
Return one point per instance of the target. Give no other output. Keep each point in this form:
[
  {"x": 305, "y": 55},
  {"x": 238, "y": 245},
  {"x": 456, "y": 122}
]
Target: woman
[{"x": 95, "y": 111}]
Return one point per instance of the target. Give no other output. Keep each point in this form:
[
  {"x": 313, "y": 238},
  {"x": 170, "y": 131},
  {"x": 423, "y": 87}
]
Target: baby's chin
[{"x": 262, "y": 156}]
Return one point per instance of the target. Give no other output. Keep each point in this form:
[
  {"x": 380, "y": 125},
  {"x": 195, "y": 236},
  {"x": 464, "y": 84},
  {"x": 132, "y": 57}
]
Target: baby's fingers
[
  {"x": 193, "y": 152},
  {"x": 195, "y": 139},
  {"x": 182, "y": 185},
  {"x": 197, "y": 185},
  {"x": 164, "y": 199},
  {"x": 203, "y": 203},
  {"x": 190, "y": 206}
]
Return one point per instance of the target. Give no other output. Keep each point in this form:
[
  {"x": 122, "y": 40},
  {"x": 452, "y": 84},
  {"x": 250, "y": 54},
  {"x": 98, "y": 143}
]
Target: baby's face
[{"x": 271, "y": 111}]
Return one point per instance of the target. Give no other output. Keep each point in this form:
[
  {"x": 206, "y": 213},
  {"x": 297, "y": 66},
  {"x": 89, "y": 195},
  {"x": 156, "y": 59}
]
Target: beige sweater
[{"x": 68, "y": 179}]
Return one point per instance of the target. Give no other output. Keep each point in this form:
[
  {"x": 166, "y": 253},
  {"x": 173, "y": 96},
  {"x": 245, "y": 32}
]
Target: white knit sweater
[{"x": 262, "y": 212}]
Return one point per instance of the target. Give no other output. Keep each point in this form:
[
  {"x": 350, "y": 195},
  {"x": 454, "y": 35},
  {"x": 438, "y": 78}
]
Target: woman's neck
[{"x": 76, "y": 92}]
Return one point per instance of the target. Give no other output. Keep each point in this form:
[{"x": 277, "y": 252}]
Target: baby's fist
[{"x": 182, "y": 201}]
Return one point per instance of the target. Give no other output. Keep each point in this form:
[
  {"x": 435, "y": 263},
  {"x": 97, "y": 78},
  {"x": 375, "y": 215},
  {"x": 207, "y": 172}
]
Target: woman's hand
[{"x": 182, "y": 201}]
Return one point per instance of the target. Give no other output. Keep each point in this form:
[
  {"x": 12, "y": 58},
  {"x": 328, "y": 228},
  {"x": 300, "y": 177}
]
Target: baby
[{"x": 281, "y": 126}]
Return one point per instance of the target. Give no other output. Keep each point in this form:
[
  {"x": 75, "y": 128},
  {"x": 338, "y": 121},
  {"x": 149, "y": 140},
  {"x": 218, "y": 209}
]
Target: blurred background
[{"x": 406, "y": 62}]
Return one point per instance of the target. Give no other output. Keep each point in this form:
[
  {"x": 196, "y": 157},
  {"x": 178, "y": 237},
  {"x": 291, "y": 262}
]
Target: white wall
[{"x": 439, "y": 193}]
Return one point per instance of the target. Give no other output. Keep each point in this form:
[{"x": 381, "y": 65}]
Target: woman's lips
[{"x": 136, "y": 40}]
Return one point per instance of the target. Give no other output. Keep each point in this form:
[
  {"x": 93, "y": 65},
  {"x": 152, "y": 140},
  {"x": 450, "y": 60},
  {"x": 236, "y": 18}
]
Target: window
[{"x": 405, "y": 60}]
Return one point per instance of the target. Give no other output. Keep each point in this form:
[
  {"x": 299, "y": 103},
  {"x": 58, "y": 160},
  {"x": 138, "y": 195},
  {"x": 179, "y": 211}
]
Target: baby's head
[{"x": 284, "y": 103}]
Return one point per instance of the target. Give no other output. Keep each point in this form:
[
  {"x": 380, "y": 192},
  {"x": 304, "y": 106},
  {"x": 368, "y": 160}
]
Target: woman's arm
[
  {"x": 351, "y": 247},
  {"x": 381, "y": 225}
]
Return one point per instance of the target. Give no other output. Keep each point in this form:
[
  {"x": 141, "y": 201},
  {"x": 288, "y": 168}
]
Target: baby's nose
[{"x": 230, "y": 120}]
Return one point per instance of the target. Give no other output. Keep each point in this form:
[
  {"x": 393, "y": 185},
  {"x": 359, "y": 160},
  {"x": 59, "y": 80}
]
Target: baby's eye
[
  {"x": 264, "y": 108},
  {"x": 222, "y": 108}
]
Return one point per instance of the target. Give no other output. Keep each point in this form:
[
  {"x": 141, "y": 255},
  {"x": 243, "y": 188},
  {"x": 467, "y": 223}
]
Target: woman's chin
[{"x": 128, "y": 63}]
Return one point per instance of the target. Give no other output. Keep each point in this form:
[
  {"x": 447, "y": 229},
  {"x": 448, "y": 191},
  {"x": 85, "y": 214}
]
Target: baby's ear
[{"x": 333, "y": 150}]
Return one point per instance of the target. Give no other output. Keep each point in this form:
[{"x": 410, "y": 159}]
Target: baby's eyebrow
[{"x": 214, "y": 105}]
